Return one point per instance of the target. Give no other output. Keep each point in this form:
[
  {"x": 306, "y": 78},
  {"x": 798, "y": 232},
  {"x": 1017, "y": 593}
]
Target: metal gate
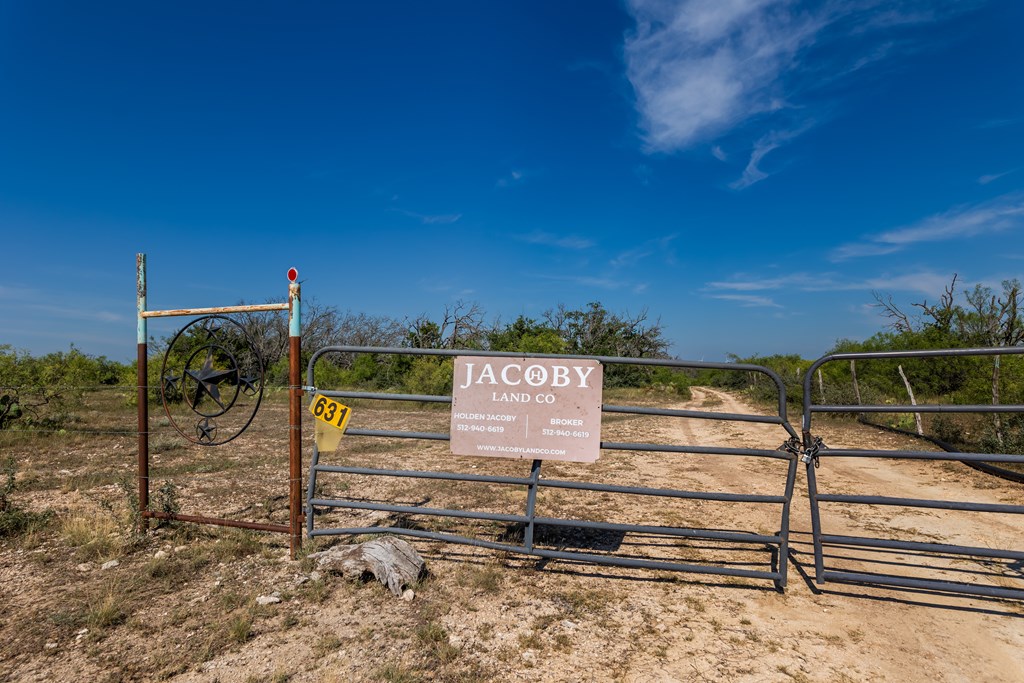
[
  {"x": 521, "y": 491},
  {"x": 887, "y": 551}
]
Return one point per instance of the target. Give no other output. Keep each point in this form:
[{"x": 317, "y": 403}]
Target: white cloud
[
  {"x": 702, "y": 68},
  {"x": 927, "y": 282},
  {"x": 631, "y": 257},
  {"x": 442, "y": 219},
  {"x": 719, "y": 153},
  {"x": 551, "y": 240},
  {"x": 857, "y": 250},
  {"x": 608, "y": 283},
  {"x": 986, "y": 179},
  {"x": 995, "y": 215},
  {"x": 773, "y": 140},
  {"x": 431, "y": 219},
  {"x": 748, "y": 300}
]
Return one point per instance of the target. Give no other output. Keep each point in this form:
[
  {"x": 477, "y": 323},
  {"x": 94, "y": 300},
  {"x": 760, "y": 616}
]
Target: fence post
[
  {"x": 294, "y": 412},
  {"x": 142, "y": 396}
]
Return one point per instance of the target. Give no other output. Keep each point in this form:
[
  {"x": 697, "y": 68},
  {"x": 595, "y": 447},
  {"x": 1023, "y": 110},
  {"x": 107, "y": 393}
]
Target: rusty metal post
[
  {"x": 143, "y": 390},
  {"x": 294, "y": 412}
]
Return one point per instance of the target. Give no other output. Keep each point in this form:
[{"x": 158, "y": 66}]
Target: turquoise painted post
[{"x": 295, "y": 412}]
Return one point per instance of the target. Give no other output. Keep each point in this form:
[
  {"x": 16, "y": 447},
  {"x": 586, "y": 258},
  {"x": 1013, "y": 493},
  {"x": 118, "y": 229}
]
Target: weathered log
[{"x": 394, "y": 562}]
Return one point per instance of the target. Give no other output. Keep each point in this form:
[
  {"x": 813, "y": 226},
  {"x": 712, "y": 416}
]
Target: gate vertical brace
[
  {"x": 531, "y": 504},
  {"x": 783, "y": 566},
  {"x": 812, "y": 489},
  {"x": 142, "y": 397},
  {"x": 295, "y": 417}
]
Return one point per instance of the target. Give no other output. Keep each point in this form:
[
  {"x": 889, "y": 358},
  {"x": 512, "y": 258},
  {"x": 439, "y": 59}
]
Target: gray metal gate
[
  {"x": 528, "y": 532},
  {"x": 815, "y": 452}
]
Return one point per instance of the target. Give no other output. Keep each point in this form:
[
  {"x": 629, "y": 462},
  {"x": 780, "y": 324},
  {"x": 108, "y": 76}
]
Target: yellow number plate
[{"x": 330, "y": 411}]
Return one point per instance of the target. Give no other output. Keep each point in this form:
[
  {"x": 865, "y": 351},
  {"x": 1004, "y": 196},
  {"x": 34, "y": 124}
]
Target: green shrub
[{"x": 430, "y": 375}]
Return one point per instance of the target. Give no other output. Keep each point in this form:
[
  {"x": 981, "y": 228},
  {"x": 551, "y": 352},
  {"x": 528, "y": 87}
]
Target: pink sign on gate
[{"x": 529, "y": 408}]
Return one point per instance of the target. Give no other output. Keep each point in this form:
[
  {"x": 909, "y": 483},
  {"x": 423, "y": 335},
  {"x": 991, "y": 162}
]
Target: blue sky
[{"x": 748, "y": 171}]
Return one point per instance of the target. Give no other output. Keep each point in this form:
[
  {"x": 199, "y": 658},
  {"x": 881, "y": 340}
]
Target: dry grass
[{"x": 95, "y": 536}]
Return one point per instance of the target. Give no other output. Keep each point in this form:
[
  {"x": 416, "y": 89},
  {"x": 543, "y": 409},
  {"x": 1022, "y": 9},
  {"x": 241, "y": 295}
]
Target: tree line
[{"x": 44, "y": 391}]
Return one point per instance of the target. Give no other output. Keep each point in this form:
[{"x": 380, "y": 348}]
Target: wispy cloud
[
  {"x": 631, "y": 257},
  {"x": 514, "y": 177},
  {"x": 551, "y": 240},
  {"x": 591, "y": 282},
  {"x": 431, "y": 219},
  {"x": 741, "y": 283},
  {"x": 452, "y": 290},
  {"x": 70, "y": 313},
  {"x": 702, "y": 68},
  {"x": 999, "y": 123},
  {"x": 748, "y": 300},
  {"x": 773, "y": 140},
  {"x": 995, "y": 215},
  {"x": 17, "y": 292},
  {"x": 986, "y": 179},
  {"x": 643, "y": 174},
  {"x": 924, "y": 281}
]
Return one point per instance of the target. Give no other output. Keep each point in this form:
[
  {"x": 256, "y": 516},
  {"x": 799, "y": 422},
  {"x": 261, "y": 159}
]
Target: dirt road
[{"x": 853, "y": 633}]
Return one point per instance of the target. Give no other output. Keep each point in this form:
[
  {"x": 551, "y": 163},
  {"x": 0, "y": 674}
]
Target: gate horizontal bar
[
  {"x": 411, "y": 510},
  {"x": 738, "y": 536},
  {"x": 920, "y": 408},
  {"x": 629, "y": 410},
  {"x": 607, "y": 445},
  {"x": 420, "y": 474},
  {"x": 921, "y": 503},
  {"x": 887, "y": 544},
  {"x": 919, "y": 455},
  {"x": 612, "y": 560},
  {"x": 925, "y": 584},
  {"x": 377, "y": 396},
  {"x": 700, "y": 450},
  {"x": 553, "y": 483},
  {"x": 655, "y": 564},
  {"x": 214, "y": 521},
  {"x": 929, "y": 353},
  {"x": 665, "y": 493},
  {"x": 213, "y": 311},
  {"x": 433, "y": 436},
  {"x": 699, "y": 414}
]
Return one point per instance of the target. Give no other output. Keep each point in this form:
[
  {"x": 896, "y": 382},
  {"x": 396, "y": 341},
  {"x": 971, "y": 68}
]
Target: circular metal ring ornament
[{"x": 211, "y": 382}]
